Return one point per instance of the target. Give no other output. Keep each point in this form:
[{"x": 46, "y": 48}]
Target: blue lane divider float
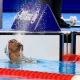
[{"x": 35, "y": 17}]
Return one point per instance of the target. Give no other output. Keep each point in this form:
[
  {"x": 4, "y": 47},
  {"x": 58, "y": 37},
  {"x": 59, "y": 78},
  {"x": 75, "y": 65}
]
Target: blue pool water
[{"x": 44, "y": 66}]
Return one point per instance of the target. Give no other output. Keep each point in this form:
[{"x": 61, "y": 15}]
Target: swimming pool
[{"x": 43, "y": 66}]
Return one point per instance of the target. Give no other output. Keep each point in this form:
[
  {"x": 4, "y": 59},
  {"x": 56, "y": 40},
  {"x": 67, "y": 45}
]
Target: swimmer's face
[{"x": 14, "y": 46}]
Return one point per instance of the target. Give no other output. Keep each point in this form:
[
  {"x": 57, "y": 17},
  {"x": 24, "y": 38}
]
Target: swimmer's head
[
  {"x": 14, "y": 49},
  {"x": 14, "y": 46}
]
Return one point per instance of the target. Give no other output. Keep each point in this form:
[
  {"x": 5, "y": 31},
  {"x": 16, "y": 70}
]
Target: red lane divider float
[
  {"x": 38, "y": 75},
  {"x": 71, "y": 57}
]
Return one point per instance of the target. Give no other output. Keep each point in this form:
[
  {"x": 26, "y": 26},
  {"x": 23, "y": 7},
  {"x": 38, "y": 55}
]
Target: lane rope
[{"x": 37, "y": 74}]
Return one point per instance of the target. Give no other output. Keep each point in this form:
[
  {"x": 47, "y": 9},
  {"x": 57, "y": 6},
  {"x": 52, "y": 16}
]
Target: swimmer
[{"x": 14, "y": 51}]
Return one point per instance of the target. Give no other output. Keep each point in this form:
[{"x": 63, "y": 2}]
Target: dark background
[{"x": 68, "y": 6}]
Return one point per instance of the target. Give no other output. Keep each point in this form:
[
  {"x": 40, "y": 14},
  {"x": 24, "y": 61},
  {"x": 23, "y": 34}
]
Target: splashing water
[
  {"x": 27, "y": 16},
  {"x": 30, "y": 18},
  {"x": 19, "y": 36},
  {"x": 26, "y": 19}
]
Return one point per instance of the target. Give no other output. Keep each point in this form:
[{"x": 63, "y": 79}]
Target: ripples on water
[{"x": 44, "y": 66}]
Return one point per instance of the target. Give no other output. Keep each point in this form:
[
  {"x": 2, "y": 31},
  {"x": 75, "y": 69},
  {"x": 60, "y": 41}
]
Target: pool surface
[
  {"x": 11, "y": 78},
  {"x": 43, "y": 66}
]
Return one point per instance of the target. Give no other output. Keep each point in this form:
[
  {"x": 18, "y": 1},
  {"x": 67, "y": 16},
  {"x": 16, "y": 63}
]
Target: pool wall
[{"x": 46, "y": 46}]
